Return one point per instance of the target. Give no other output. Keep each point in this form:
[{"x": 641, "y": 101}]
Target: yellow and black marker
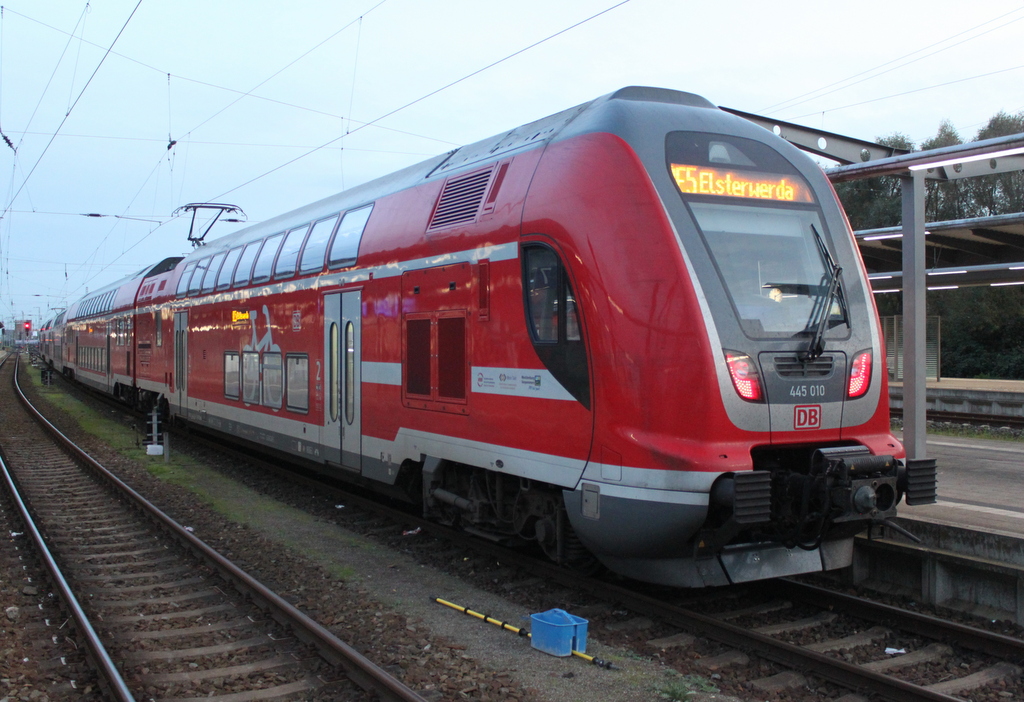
[{"x": 519, "y": 631}]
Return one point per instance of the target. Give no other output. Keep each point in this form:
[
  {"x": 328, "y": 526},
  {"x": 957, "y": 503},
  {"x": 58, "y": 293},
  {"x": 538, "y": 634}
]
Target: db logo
[{"x": 807, "y": 417}]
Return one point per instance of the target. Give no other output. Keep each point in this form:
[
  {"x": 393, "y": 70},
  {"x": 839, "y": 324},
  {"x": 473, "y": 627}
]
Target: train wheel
[{"x": 577, "y": 556}]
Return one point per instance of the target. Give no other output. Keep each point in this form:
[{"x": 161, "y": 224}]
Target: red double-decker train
[{"x": 638, "y": 330}]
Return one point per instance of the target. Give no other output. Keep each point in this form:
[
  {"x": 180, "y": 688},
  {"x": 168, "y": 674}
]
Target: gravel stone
[{"x": 379, "y": 596}]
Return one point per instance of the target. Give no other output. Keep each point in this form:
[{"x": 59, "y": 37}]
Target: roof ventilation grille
[{"x": 460, "y": 199}]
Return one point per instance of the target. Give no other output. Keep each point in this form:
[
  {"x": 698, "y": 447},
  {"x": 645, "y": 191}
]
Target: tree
[
  {"x": 950, "y": 200},
  {"x": 982, "y": 331},
  {"x": 1003, "y": 193},
  {"x": 982, "y": 327},
  {"x": 873, "y": 203}
]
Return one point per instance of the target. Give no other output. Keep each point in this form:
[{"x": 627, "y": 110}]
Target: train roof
[{"x": 521, "y": 138}]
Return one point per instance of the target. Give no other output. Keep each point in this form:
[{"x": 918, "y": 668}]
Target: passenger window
[
  {"x": 273, "y": 380},
  {"x": 265, "y": 261},
  {"x": 251, "y": 377},
  {"x": 197, "y": 276},
  {"x": 350, "y": 373},
  {"x": 451, "y": 358},
  {"x": 298, "y": 382},
  {"x": 542, "y": 288},
  {"x": 244, "y": 267},
  {"x": 417, "y": 358},
  {"x": 289, "y": 256},
  {"x": 332, "y": 371},
  {"x": 554, "y": 320},
  {"x": 228, "y": 268},
  {"x": 210, "y": 279},
  {"x": 186, "y": 276},
  {"x": 345, "y": 247},
  {"x": 435, "y": 359},
  {"x": 316, "y": 245},
  {"x": 231, "y": 376}
]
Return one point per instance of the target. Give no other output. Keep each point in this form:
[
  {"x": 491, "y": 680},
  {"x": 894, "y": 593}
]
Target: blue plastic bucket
[{"x": 558, "y": 633}]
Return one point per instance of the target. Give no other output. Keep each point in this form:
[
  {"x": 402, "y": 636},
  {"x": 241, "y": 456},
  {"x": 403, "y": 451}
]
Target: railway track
[
  {"x": 163, "y": 616},
  {"x": 779, "y": 636},
  {"x": 792, "y": 632},
  {"x": 998, "y": 420}
]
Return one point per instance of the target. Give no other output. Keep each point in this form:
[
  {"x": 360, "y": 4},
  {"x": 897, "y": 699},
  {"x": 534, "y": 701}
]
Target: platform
[
  {"x": 978, "y": 485},
  {"x": 969, "y": 395},
  {"x": 971, "y": 555}
]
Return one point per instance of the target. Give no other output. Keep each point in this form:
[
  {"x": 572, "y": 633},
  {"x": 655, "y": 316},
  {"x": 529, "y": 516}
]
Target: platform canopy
[
  {"x": 920, "y": 255},
  {"x": 960, "y": 253}
]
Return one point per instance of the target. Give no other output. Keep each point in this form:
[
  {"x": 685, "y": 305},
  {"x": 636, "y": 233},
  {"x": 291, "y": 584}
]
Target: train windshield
[{"x": 762, "y": 227}]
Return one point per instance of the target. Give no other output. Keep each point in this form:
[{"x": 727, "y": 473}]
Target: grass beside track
[{"x": 233, "y": 500}]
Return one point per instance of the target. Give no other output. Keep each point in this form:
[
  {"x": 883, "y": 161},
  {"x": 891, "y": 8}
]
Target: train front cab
[{"x": 741, "y": 428}]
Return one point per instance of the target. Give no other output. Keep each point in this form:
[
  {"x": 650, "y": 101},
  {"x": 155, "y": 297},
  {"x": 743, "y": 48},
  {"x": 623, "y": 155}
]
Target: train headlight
[
  {"x": 745, "y": 377},
  {"x": 860, "y": 374}
]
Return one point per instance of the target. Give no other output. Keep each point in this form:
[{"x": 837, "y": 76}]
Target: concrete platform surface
[
  {"x": 979, "y": 485},
  {"x": 979, "y": 384}
]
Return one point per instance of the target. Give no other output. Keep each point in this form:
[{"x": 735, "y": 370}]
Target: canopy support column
[{"x": 914, "y": 306}]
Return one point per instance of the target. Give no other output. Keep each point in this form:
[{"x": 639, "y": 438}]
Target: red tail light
[
  {"x": 745, "y": 377},
  {"x": 860, "y": 374}
]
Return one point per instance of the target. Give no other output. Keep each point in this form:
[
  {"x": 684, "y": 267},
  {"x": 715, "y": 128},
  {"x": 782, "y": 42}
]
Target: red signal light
[
  {"x": 860, "y": 374},
  {"x": 28, "y": 326},
  {"x": 745, "y": 377}
]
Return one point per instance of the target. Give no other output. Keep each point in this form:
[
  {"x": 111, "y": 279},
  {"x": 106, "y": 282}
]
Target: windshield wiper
[{"x": 817, "y": 345}]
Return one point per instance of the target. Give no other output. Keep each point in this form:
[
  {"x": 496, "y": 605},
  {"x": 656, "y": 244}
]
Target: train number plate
[{"x": 807, "y": 417}]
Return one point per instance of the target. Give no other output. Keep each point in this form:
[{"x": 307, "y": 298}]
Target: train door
[
  {"x": 180, "y": 389},
  {"x": 343, "y": 358},
  {"x": 108, "y": 360}
]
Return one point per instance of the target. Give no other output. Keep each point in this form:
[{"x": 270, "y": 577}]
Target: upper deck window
[
  {"x": 228, "y": 269},
  {"x": 210, "y": 279},
  {"x": 244, "y": 268},
  {"x": 316, "y": 245},
  {"x": 345, "y": 247},
  {"x": 265, "y": 261},
  {"x": 289, "y": 256},
  {"x": 183, "y": 281},
  {"x": 197, "y": 277}
]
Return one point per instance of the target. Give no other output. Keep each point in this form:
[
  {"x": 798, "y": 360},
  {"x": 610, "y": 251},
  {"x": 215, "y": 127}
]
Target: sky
[{"x": 117, "y": 112}]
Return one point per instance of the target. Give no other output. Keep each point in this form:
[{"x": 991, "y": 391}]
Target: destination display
[{"x": 701, "y": 180}]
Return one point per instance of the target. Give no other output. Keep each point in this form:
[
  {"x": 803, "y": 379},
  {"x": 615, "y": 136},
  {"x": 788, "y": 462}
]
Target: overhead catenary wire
[
  {"x": 72, "y": 107},
  {"x": 241, "y": 93},
  {"x": 427, "y": 95},
  {"x": 53, "y": 74},
  {"x": 372, "y": 123},
  {"x": 5, "y": 137},
  {"x": 286, "y": 67},
  {"x": 78, "y": 56},
  {"x": 172, "y": 142},
  {"x": 817, "y": 93},
  {"x": 351, "y": 101},
  {"x": 392, "y": 112},
  {"x": 909, "y": 92}
]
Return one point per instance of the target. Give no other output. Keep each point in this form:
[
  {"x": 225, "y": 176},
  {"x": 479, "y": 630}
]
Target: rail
[{"x": 360, "y": 669}]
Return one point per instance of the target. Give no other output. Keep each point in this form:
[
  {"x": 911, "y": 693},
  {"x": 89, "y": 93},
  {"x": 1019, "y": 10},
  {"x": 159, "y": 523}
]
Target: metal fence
[{"x": 892, "y": 330}]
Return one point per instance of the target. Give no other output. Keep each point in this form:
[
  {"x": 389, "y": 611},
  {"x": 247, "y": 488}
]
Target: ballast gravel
[{"x": 375, "y": 597}]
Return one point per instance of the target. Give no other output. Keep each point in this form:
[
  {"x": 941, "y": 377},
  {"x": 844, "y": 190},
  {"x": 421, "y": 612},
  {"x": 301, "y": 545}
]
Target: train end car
[
  {"x": 741, "y": 422},
  {"x": 636, "y": 332}
]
